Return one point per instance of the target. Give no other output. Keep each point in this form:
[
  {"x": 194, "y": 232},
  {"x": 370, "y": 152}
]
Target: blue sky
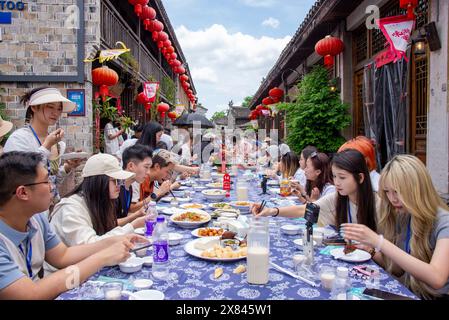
[{"x": 230, "y": 45}]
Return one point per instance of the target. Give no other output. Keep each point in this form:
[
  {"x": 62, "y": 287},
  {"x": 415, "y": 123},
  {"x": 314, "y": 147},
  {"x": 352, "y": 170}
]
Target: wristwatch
[{"x": 153, "y": 196}]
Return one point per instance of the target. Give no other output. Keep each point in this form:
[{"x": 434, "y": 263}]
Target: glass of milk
[
  {"x": 113, "y": 290},
  {"x": 327, "y": 276},
  {"x": 242, "y": 190},
  {"x": 258, "y": 251}
]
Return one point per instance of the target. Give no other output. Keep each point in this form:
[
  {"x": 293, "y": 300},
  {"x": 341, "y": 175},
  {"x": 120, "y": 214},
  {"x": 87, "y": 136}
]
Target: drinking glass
[{"x": 113, "y": 290}]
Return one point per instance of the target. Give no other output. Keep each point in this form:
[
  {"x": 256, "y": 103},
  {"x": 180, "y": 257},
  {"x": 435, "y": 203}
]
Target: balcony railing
[{"x": 114, "y": 28}]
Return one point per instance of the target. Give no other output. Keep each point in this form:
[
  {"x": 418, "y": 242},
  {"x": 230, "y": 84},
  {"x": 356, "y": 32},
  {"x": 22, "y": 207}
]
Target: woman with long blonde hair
[{"x": 415, "y": 226}]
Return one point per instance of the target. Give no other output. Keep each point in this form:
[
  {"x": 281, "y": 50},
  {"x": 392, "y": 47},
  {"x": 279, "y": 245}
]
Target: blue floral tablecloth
[{"x": 193, "y": 278}]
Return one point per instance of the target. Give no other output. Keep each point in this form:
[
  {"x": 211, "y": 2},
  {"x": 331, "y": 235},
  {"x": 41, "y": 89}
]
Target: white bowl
[
  {"x": 191, "y": 224},
  {"x": 147, "y": 261},
  {"x": 131, "y": 265},
  {"x": 174, "y": 238},
  {"x": 291, "y": 229},
  {"x": 214, "y": 194},
  {"x": 300, "y": 243},
  {"x": 243, "y": 209},
  {"x": 147, "y": 295},
  {"x": 142, "y": 284}
]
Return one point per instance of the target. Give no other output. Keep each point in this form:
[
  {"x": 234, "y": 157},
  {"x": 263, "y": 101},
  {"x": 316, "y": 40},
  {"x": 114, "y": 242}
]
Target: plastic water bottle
[
  {"x": 160, "y": 250},
  {"x": 341, "y": 289},
  {"x": 150, "y": 218}
]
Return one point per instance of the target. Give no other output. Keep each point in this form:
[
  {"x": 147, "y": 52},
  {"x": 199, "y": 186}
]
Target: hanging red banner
[
  {"x": 150, "y": 90},
  {"x": 397, "y": 30}
]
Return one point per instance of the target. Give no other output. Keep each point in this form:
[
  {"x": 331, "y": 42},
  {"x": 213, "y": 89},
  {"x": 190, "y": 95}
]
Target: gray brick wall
[{"x": 38, "y": 43}]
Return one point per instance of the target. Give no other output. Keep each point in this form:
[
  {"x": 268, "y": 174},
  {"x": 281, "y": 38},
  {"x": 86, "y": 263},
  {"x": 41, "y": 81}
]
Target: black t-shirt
[{"x": 124, "y": 202}]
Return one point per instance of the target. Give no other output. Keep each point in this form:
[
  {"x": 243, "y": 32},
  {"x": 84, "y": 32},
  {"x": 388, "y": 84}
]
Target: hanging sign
[
  {"x": 150, "y": 90},
  {"x": 107, "y": 55},
  {"x": 397, "y": 30}
]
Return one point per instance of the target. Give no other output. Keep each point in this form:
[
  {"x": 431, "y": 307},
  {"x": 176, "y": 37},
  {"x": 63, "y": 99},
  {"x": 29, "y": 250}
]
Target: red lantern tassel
[
  {"x": 329, "y": 61},
  {"x": 104, "y": 92}
]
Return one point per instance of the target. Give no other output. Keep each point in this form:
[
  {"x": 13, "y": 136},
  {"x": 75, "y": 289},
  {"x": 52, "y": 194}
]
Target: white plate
[
  {"x": 299, "y": 243},
  {"x": 291, "y": 229},
  {"x": 326, "y": 231},
  {"x": 215, "y": 185},
  {"x": 170, "y": 211},
  {"x": 140, "y": 231},
  {"x": 240, "y": 207},
  {"x": 131, "y": 265},
  {"x": 190, "y": 249},
  {"x": 186, "y": 205},
  {"x": 169, "y": 199},
  {"x": 212, "y": 205},
  {"x": 75, "y": 155},
  {"x": 195, "y": 233},
  {"x": 356, "y": 256},
  {"x": 191, "y": 224}
]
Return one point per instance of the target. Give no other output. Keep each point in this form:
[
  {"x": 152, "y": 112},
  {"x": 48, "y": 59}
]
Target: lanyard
[
  {"x": 349, "y": 212},
  {"x": 409, "y": 236},
  {"x": 127, "y": 199},
  {"x": 35, "y": 135},
  {"x": 28, "y": 257}
]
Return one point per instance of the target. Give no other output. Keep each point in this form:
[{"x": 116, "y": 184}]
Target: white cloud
[
  {"x": 227, "y": 66},
  {"x": 259, "y": 3},
  {"x": 271, "y": 22}
]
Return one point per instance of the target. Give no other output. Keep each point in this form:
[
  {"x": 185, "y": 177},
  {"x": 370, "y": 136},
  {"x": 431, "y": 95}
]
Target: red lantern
[
  {"x": 148, "y": 14},
  {"x": 104, "y": 78},
  {"x": 260, "y": 107},
  {"x": 174, "y": 56},
  {"x": 167, "y": 43},
  {"x": 164, "y": 50},
  {"x": 267, "y": 101},
  {"x": 170, "y": 49},
  {"x": 410, "y": 5},
  {"x": 138, "y": 10},
  {"x": 179, "y": 69},
  {"x": 132, "y": 2},
  {"x": 157, "y": 26},
  {"x": 186, "y": 85},
  {"x": 155, "y": 36},
  {"x": 160, "y": 44},
  {"x": 183, "y": 77},
  {"x": 276, "y": 93},
  {"x": 162, "y": 36},
  {"x": 172, "y": 115},
  {"x": 276, "y": 100},
  {"x": 176, "y": 63},
  {"x": 329, "y": 47},
  {"x": 147, "y": 107},
  {"x": 162, "y": 108},
  {"x": 142, "y": 98}
]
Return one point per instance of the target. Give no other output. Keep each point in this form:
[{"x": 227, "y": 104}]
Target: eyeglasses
[{"x": 33, "y": 184}]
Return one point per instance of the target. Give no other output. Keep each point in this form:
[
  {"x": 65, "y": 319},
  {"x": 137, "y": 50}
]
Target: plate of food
[
  {"x": 243, "y": 206},
  {"x": 214, "y": 194},
  {"x": 75, "y": 156},
  {"x": 211, "y": 249},
  {"x": 207, "y": 232},
  {"x": 351, "y": 255},
  {"x": 215, "y": 185},
  {"x": 180, "y": 199},
  {"x": 220, "y": 205},
  {"x": 192, "y": 206},
  {"x": 170, "y": 211},
  {"x": 192, "y": 218},
  {"x": 228, "y": 213}
]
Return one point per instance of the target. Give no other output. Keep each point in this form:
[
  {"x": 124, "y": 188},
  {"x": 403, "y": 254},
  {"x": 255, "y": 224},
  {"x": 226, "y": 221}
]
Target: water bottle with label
[
  {"x": 160, "y": 250},
  {"x": 150, "y": 218}
]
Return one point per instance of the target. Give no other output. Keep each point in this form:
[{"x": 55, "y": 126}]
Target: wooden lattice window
[
  {"x": 360, "y": 44},
  {"x": 378, "y": 39},
  {"x": 421, "y": 87}
]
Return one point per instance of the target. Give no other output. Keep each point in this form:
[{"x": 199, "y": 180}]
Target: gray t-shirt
[{"x": 440, "y": 231}]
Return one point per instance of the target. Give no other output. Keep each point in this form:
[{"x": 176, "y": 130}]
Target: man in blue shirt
[{"x": 27, "y": 240}]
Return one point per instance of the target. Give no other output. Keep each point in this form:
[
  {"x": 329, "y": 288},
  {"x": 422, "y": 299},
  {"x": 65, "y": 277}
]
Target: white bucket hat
[
  {"x": 5, "y": 127},
  {"x": 50, "y": 95},
  {"x": 105, "y": 164}
]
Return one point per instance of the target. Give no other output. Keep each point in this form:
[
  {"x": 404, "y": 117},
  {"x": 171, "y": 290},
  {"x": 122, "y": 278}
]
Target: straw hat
[
  {"x": 105, "y": 164},
  {"x": 50, "y": 95},
  {"x": 5, "y": 127}
]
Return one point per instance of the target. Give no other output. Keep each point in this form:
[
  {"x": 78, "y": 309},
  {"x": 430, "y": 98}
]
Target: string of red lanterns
[{"x": 148, "y": 15}]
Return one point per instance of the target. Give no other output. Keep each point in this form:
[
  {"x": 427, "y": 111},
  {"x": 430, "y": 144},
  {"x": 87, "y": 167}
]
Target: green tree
[
  {"x": 218, "y": 115},
  {"x": 317, "y": 116},
  {"x": 247, "y": 101}
]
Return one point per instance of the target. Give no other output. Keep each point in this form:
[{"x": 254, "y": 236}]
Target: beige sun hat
[
  {"x": 50, "y": 95},
  {"x": 5, "y": 127},
  {"x": 105, "y": 164}
]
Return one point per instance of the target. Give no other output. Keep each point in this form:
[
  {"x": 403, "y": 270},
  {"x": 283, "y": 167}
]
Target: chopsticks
[
  {"x": 141, "y": 248},
  {"x": 262, "y": 206}
]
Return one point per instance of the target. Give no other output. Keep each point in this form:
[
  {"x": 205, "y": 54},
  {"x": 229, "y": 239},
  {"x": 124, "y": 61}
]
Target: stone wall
[{"x": 39, "y": 42}]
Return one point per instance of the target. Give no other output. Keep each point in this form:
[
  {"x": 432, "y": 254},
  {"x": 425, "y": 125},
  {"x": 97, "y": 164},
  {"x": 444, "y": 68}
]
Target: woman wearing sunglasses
[{"x": 88, "y": 214}]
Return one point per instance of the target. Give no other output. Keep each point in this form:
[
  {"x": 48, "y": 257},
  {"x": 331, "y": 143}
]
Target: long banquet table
[{"x": 193, "y": 278}]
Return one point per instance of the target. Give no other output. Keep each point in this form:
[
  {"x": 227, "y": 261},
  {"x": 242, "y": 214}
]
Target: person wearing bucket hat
[
  {"x": 44, "y": 108},
  {"x": 88, "y": 214},
  {"x": 5, "y": 127}
]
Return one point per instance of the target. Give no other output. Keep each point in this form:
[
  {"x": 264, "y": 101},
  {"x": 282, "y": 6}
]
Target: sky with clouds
[{"x": 230, "y": 45}]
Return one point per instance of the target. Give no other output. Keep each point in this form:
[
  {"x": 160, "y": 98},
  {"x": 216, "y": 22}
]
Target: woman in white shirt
[
  {"x": 319, "y": 182},
  {"x": 112, "y": 139},
  {"x": 89, "y": 214},
  {"x": 44, "y": 108}
]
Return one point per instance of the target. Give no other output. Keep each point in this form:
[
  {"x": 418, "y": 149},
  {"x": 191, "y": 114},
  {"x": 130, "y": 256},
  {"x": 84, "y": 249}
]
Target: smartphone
[{"x": 384, "y": 295}]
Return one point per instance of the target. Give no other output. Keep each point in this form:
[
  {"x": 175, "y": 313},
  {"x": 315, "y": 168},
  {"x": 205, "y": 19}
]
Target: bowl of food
[
  {"x": 291, "y": 229},
  {"x": 228, "y": 213},
  {"x": 208, "y": 232},
  {"x": 215, "y": 185},
  {"x": 192, "y": 218},
  {"x": 233, "y": 243},
  {"x": 131, "y": 265},
  {"x": 220, "y": 205},
  {"x": 192, "y": 206},
  {"x": 214, "y": 194},
  {"x": 174, "y": 238},
  {"x": 243, "y": 206}
]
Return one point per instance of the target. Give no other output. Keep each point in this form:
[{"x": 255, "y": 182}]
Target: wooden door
[{"x": 358, "y": 121}]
